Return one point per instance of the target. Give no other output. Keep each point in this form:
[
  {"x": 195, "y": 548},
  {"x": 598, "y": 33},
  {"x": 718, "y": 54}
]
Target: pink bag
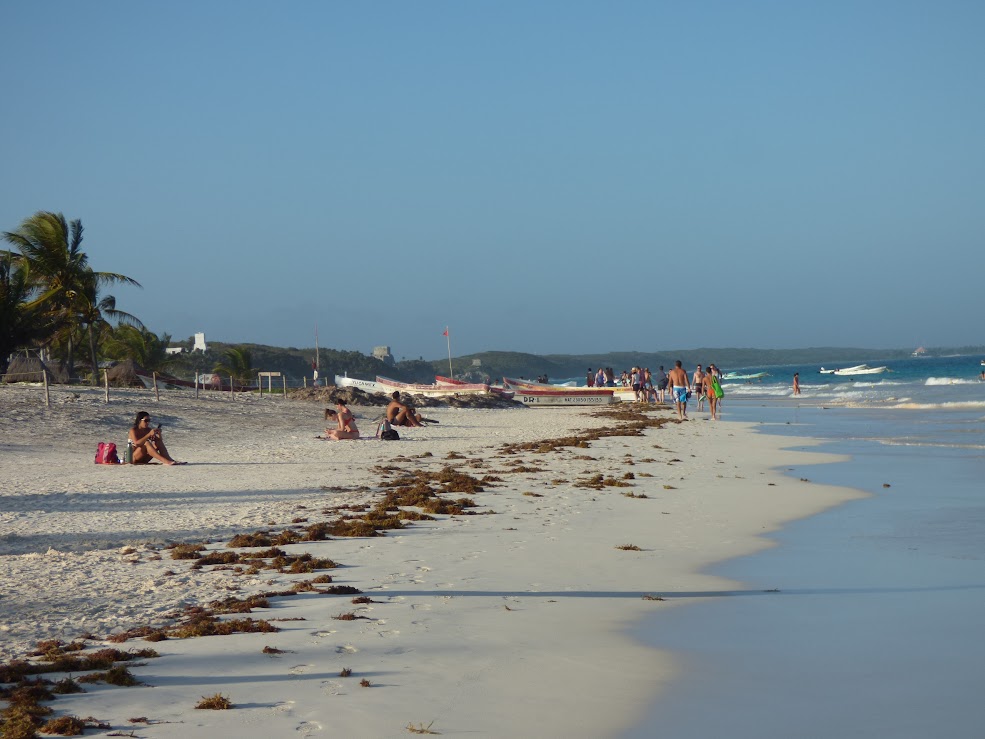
[{"x": 106, "y": 453}]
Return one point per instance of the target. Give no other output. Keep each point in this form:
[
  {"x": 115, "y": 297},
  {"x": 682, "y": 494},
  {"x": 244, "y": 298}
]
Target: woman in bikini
[
  {"x": 147, "y": 442},
  {"x": 346, "y": 423}
]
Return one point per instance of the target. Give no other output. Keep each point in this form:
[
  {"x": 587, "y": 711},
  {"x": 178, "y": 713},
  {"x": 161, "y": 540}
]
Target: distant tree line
[{"x": 55, "y": 305}]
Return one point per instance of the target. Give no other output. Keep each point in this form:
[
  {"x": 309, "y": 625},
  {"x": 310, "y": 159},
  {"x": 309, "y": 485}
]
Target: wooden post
[
  {"x": 260, "y": 384},
  {"x": 106, "y": 382},
  {"x": 196, "y": 384},
  {"x": 305, "y": 381},
  {"x": 284, "y": 378},
  {"x": 232, "y": 388},
  {"x": 44, "y": 378},
  {"x": 157, "y": 391}
]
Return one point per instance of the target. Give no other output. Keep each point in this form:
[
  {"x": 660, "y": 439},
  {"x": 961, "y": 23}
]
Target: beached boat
[
  {"x": 436, "y": 390},
  {"x": 367, "y": 386},
  {"x": 531, "y": 385},
  {"x": 452, "y": 382},
  {"x": 537, "y": 394},
  {"x": 205, "y": 382},
  {"x": 624, "y": 393}
]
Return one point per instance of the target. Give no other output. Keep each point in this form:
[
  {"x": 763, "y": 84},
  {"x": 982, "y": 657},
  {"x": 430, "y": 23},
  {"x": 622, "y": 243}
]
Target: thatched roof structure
[
  {"x": 28, "y": 369},
  {"x": 124, "y": 374}
]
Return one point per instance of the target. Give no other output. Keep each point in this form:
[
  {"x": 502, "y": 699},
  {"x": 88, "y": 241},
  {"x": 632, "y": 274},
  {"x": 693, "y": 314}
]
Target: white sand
[{"x": 511, "y": 624}]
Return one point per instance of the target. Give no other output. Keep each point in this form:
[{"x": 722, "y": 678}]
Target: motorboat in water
[
  {"x": 736, "y": 376},
  {"x": 859, "y": 369}
]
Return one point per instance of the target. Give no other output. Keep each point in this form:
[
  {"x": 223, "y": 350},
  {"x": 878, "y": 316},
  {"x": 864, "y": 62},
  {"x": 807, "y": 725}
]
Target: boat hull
[
  {"x": 534, "y": 395},
  {"x": 367, "y": 386},
  {"x": 173, "y": 382},
  {"x": 855, "y": 372},
  {"x": 436, "y": 390}
]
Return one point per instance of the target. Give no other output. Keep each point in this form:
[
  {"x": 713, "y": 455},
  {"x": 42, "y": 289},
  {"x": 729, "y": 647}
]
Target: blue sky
[{"x": 551, "y": 177}]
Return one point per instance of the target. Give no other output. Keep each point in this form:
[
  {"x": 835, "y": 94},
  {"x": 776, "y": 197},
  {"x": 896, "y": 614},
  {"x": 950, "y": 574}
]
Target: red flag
[{"x": 445, "y": 332}]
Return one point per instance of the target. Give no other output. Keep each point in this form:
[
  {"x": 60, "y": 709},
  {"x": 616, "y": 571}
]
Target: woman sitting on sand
[
  {"x": 147, "y": 442},
  {"x": 347, "y": 424}
]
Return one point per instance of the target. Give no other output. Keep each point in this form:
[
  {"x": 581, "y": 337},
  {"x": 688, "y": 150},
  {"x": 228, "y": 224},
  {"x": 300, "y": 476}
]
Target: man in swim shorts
[
  {"x": 401, "y": 414},
  {"x": 679, "y": 381}
]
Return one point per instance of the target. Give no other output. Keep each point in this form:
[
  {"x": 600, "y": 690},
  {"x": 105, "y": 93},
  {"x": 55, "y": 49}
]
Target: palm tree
[
  {"x": 238, "y": 364},
  {"x": 20, "y": 324},
  {"x": 93, "y": 312},
  {"x": 58, "y": 268},
  {"x": 140, "y": 345}
]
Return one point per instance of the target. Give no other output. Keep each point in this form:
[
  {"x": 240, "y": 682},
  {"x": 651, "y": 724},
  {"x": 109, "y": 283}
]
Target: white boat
[
  {"x": 538, "y": 394},
  {"x": 531, "y": 385},
  {"x": 451, "y": 382},
  {"x": 858, "y": 368},
  {"x": 862, "y": 369},
  {"x": 734, "y": 376},
  {"x": 436, "y": 390},
  {"x": 367, "y": 386}
]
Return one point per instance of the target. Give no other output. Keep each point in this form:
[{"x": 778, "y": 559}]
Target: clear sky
[{"x": 551, "y": 177}]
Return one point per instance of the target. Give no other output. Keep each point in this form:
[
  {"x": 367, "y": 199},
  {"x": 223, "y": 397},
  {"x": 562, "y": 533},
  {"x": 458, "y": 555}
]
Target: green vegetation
[{"x": 48, "y": 279}]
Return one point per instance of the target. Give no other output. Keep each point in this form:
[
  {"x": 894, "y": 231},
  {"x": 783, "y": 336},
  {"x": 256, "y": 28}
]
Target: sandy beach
[{"x": 507, "y": 624}]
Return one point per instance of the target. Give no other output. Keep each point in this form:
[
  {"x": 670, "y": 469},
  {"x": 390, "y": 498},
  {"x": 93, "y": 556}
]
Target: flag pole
[{"x": 451, "y": 372}]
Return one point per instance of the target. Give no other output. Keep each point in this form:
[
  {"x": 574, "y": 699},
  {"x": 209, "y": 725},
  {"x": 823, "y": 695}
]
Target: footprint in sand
[
  {"x": 307, "y": 728},
  {"x": 389, "y": 634},
  {"x": 284, "y": 707},
  {"x": 299, "y": 669},
  {"x": 420, "y": 606},
  {"x": 332, "y": 687},
  {"x": 346, "y": 649},
  {"x": 424, "y": 569},
  {"x": 323, "y": 633}
]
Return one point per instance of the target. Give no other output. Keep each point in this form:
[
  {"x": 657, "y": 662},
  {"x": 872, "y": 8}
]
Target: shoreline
[
  {"x": 878, "y": 600},
  {"x": 527, "y": 608}
]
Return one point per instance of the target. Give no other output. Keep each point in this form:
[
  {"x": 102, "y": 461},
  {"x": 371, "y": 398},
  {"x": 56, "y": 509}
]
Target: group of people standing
[
  {"x": 605, "y": 377},
  {"x": 706, "y": 383},
  {"x": 652, "y": 387}
]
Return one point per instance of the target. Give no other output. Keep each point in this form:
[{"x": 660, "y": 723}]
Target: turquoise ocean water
[{"x": 866, "y": 620}]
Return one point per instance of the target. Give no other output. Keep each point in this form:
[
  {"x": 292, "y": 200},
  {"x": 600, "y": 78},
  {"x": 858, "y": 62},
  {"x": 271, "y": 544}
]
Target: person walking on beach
[
  {"x": 680, "y": 384},
  {"x": 710, "y": 389},
  {"x": 662, "y": 384},
  {"x": 796, "y": 383},
  {"x": 590, "y": 378},
  {"x": 698, "y": 384},
  {"x": 346, "y": 423},
  {"x": 600, "y": 378},
  {"x": 148, "y": 443},
  {"x": 401, "y": 414}
]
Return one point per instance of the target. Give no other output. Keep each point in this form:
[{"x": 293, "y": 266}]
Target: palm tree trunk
[
  {"x": 92, "y": 355},
  {"x": 70, "y": 359}
]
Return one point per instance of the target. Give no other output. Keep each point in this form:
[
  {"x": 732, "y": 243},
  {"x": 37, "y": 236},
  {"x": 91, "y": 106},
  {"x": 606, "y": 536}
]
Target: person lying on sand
[
  {"x": 401, "y": 414},
  {"x": 148, "y": 443},
  {"x": 346, "y": 423}
]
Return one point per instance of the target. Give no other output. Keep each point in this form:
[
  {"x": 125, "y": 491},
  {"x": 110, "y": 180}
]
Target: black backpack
[{"x": 387, "y": 432}]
